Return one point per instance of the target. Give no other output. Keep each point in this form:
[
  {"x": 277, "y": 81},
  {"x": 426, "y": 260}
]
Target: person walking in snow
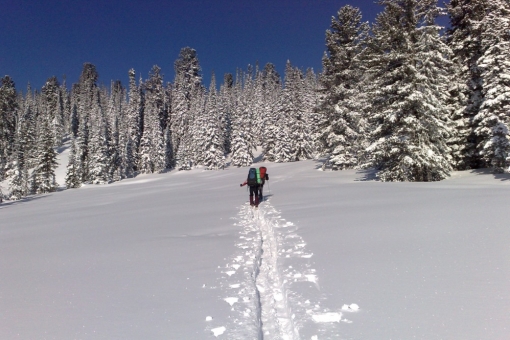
[
  {"x": 253, "y": 181},
  {"x": 263, "y": 178}
]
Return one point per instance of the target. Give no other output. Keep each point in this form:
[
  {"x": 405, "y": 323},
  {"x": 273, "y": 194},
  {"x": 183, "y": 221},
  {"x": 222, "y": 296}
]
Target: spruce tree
[
  {"x": 135, "y": 114},
  {"x": 19, "y": 174},
  {"x": 72, "y": 178},
  {"x": 8, "y": 111},
  {"x": 53, "y": 106},
  {"x": 410, "y": 69},
  {"x": 87, "y": 101},
  {"x": 494, "y": 65},
  {"x": 225, "y": 107},
  {"x": 100, "y": 159},
  {"x": 464, "y": 37},
  {"x": 187, "y": 87},
  {"x": 212, "y": 142},
  {"x": 242, "y": 138},
  {"x": 43, "y": 176},
  {"x": 344, "y": 124},
  {"x": 152, "y": 145},
  {"x": 272, "y": 90}
]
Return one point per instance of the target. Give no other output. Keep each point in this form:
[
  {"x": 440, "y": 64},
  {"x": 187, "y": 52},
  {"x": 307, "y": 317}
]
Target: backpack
[
  {"x": 252, "y": 177},
  {"x": 262, "y": 171}
]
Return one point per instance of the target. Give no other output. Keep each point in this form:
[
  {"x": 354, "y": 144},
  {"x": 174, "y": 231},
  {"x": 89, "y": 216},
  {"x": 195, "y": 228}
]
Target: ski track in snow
[{"x": 260, "y": 281}]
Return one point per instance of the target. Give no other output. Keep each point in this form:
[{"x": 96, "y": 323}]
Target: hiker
[
  {"x": 263, "y": 178},
  {"x": 253, "y": 182}
]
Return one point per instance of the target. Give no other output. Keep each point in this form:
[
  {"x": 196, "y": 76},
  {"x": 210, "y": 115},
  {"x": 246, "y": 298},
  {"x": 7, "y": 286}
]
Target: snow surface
[{"x": 328, "y": 255}]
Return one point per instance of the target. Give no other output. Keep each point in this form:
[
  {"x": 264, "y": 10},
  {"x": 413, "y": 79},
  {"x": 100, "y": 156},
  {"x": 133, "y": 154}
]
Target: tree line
[{"x": 400, "y": 95}]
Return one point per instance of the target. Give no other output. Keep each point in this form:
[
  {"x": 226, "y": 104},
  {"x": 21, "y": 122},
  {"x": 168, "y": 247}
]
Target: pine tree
[
  {"x": 494, "y": 65},
  {"x": 100, "y": 159},
  {"x": 117, "y": 117},
  {"x": 135, "y": 115},
  {"x": 129, "y": 159},
  {"x": 410, "y": 69},
  {"x": 152, "y": 145},
  {"x": 187, "y": 87},
  {"x": 169, "y": 149},
  {"x": 344, "y": 126},
  {"x": 19, "y": 176},
  {"x": 300, "y": 129},
  {"x": 225, "y": 107},
  {"x": 43, "y": 176},
  {"x": 272, "y": 91},
  {"x": 29, "y": 130},
  {"x": 8, "y": 111},
  {"x": 73, "y": 179},
  {"x": 86, "y": 101},
  {"x": 53, "y": 107},
  {"x": 464, "y": 39},
  {"x": 212, "y": 140},
  {"x": 283, "y": 149},
  {"x": 242, "y": 137}
]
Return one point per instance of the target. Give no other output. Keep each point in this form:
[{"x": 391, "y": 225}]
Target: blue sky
[{"x": 39, "y": 39}]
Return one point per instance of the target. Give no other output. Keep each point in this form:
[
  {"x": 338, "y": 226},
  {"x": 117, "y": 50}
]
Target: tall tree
[
  {"x": 272, "y": 91},
  {"x": 187, "y": 90},
  {"x": 43, "y": 175},
  {"x": 344, "y": 124},
  {"x": 8, "y": 110},
  {"x": 410, "y": 70},
  {"x": 242, "y": 133},
  {"x": 72, "y": 178},
  {"x": 465, "y": 40},
  {"x": 152, "y": 146},
  {"x": 212, "y": 142},
  {"x": 494, "y": 116}
]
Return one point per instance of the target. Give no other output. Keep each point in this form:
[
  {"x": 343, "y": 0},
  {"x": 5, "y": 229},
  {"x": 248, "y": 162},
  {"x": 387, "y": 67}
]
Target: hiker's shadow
[{"x": 266, "y": 197}]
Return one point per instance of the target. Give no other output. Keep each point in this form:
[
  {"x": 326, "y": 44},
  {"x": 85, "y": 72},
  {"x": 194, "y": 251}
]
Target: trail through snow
[{"x": 273, "y": 291}]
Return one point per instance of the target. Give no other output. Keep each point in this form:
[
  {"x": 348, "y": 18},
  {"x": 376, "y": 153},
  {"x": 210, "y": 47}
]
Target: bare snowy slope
[{"x": 329, "y": 255}]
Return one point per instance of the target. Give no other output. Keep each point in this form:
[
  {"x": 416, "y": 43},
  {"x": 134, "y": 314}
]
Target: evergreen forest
[{"x": 401, "y": 95}]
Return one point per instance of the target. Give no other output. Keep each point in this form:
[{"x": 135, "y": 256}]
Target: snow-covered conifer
[
  {"x": 242, "y": 138},
  {"x": 43, "y": 175},
  {"x": 135, "y": 112},
  {"x": 464, "y": 39},
  {"x": 187, "y": 86},
  {"x": 212, "y": 142},
  {"x": 19, "y": 174},
  {"x": 73, "y": 178},
  {"x": 344, "y": 125},
  {"x": 494, "y": 116},
  {"x": 53, "y": 107},
  {"x": 225, "y": 107},
  {"x": 8, "y": 111},
  {"x": 152, "y": 145},
  {"x": 410, "y": 70},
  {"x": 100, "y": 157},
  {"x": 272, "y": 90}
]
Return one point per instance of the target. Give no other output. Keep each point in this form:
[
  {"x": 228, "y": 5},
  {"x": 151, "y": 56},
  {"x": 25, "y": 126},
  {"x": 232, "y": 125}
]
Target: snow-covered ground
[{"x": 328, "y": 255}]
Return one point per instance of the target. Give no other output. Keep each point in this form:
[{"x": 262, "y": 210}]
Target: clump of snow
[
  {"x": 327, "y": 317},
  {"x": 350, "y": 308},
  {"x": 231, "y": 300},
  {"x": 218, "y": 331}
]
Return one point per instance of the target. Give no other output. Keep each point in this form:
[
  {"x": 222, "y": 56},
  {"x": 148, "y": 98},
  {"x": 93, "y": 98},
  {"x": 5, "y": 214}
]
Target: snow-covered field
[{"x": 328, "y": 255}]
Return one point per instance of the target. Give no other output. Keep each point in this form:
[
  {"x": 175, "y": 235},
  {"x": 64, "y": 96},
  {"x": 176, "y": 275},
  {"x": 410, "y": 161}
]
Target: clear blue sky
[{"x": 42, "y": 38}]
